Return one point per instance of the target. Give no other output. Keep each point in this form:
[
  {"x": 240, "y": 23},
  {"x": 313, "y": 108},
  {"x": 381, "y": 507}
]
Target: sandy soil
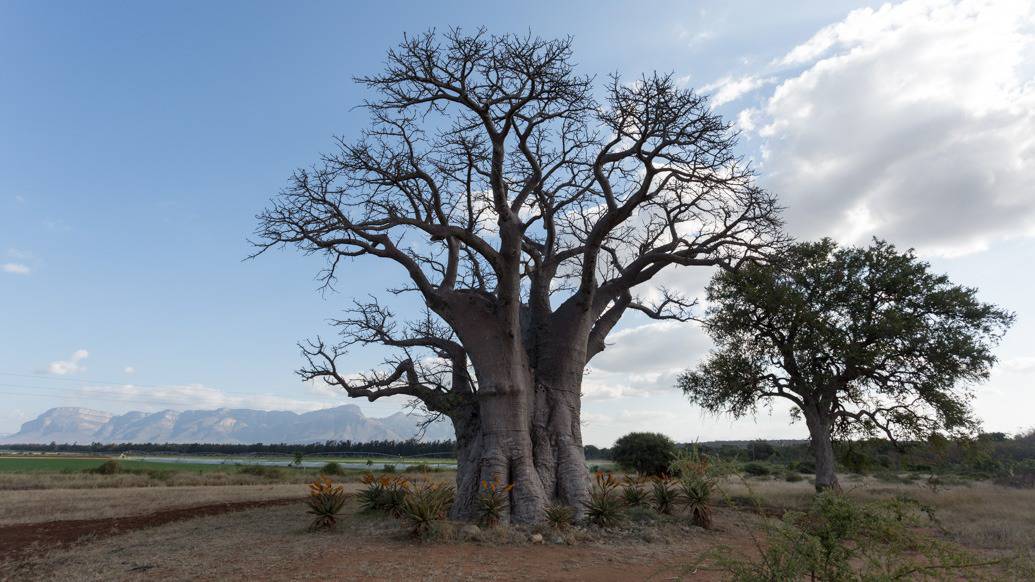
[
  {"x": 36, "y": 506},
  {"x": 271, "y": 543}
]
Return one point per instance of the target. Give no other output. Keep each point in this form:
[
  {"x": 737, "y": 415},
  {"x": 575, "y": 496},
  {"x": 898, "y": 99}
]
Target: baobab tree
[
  {"x": 863, "y": 341},
  {"x": 525, "y": 212}
]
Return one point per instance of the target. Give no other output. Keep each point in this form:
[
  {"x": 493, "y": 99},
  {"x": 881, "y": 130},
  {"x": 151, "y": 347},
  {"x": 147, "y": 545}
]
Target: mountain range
[{"x": 223, "y": 426}]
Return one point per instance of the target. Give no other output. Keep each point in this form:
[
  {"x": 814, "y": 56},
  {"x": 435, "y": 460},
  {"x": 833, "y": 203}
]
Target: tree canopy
[{"x": 869, "y": 337}]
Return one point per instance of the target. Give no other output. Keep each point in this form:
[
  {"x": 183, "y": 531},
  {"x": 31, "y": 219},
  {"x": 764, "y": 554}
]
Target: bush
[
  {"x": 792, "y": 477},
  {"x": 806, "y": 468},
  {"x": 424, "y": 506},
  {"x": 646, "y": 453},
  {"x": 389, "y": 469},
  {"x": 604, "y": 508},
  {"x": 261, "y": 471},
  {"x": 332, "y": 468},
  {"x": 756, "y": 469},
  {"x": 559, "y": 516},
  {"x": 760, "y": 450},
  {"x": 325, "y": 502},
  {"x": 663, "y": 495},
  {"x": 1020, "y": 475},
  {"x": 109, "y": 467},
  {"x": 493, "y": 501}
]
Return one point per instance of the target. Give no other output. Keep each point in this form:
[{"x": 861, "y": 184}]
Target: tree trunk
[
  {"x": 467, "y": 426},
  {"x": 557, "y": 437},
  {"x": 822, "y": 446},
  {"x": 526, "y": 432},
  {"x": 533, "y": 442}
]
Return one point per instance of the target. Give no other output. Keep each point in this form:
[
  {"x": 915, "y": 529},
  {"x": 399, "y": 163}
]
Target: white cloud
[
  {"x": 70, "y": 366},
  {"x": 730, "y": 89},
  {"x": 15, "y": 268},
  {"x": 129, "y": 370},
  {"x": 1022, "y": 365},
  {"x": 914, "y": 122}
]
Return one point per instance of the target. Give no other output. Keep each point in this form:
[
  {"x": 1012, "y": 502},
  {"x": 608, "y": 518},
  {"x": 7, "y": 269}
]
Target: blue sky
[{"x": 138, "y": 141}]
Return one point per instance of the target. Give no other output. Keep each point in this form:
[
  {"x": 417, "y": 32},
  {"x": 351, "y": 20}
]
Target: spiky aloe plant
[
  {"x": 325, "y": 502},
  {"x": 560, "y": 516},
  {"x": 633, "y": 491},
  {"x": 424, "y": 505},
  {"x": 696, "y": 490},
  {"x": 604, "y": 507},
  {"x": 493, "y": 501},
  {"x": 663, "y": 495}
]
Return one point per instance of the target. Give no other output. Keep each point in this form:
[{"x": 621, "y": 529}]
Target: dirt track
[{"x": 25, "y": 538}]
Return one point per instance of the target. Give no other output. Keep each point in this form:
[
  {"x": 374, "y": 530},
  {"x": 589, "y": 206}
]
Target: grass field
[
  {"x": 77, "y": 464},
  {"x": 272, "y": 542}
]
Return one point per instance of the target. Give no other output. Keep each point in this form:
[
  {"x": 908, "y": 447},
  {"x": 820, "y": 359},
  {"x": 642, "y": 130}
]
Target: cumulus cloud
[
  {"x": 15, "y": 268},
  {"x": 72, "y": 365},
  {"x": 914, "y": 122},
  {"x": 730, "y": 89},
  {"x": 643, "y": 360}
]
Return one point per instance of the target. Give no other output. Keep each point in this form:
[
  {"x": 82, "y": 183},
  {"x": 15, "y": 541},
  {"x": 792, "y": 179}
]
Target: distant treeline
[
  {"x": 395, "y": 448},
  {"x": 989, "y": 455}
]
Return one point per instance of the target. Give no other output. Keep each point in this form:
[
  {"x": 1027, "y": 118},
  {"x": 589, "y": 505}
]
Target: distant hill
[{"x": 223, "y": 426}]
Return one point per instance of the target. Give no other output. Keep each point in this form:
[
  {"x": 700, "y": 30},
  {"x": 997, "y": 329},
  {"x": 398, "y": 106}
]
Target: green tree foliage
[
  {"x": 864, "y": 341},
  {"x": 647, "y": 453}
]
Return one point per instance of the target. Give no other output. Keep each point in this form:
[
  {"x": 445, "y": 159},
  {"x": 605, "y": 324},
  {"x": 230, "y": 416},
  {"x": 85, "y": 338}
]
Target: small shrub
[
  {"x": 325, "y": 502},
  {"x": 332, "y": 468},
  {"x": 493, "y": 501},
  {"x": 109, "y": 467},
  {"x": 370, "y": 495},
  {"x": 604, "y": 508},
  {"x": 389, "y": 468},
  {"x": 261, "y": 471},
  {"x": 418, "y": 468},
  {"x": 633, "y": 491},
  {"x": 756, "y": 469},
  {"x": 696, "y": 490},
  {"x": 559, "y": 516},
  {"x": 424, "y": 506},
  {"x": 807, "y": 468},
  {"x": 646, "y": 453},
  {"x": 393, "y": 494},
  {"x": 792, "y": 477},
  {"x": 385, "y": 493},
  {"x": 663, "y": 495}
]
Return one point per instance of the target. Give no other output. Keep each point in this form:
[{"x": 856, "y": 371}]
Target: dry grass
[
  {"x": 978, "y": 515},
  {"x": 36, "y": 506},
  {"x": 272, "y": 544}
]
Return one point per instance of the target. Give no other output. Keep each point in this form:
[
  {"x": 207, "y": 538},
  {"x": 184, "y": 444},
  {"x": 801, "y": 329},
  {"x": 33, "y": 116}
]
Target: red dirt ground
[{"x": 30, "y": 537}]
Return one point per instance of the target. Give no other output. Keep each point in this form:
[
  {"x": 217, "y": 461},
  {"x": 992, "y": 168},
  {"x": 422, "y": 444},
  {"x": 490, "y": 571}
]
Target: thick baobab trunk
[
  {"x": 557, "y": 432},
  {"x": 467, "y": 427},
  {"x": 822, "y": 446},
  {"x": 526, "y": 431}
]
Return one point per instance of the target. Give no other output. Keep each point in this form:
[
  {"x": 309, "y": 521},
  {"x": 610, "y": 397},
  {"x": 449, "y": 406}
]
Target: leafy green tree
[
  {"x": 863, "y": 341},
  {"x": 648, "y": 453}
]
